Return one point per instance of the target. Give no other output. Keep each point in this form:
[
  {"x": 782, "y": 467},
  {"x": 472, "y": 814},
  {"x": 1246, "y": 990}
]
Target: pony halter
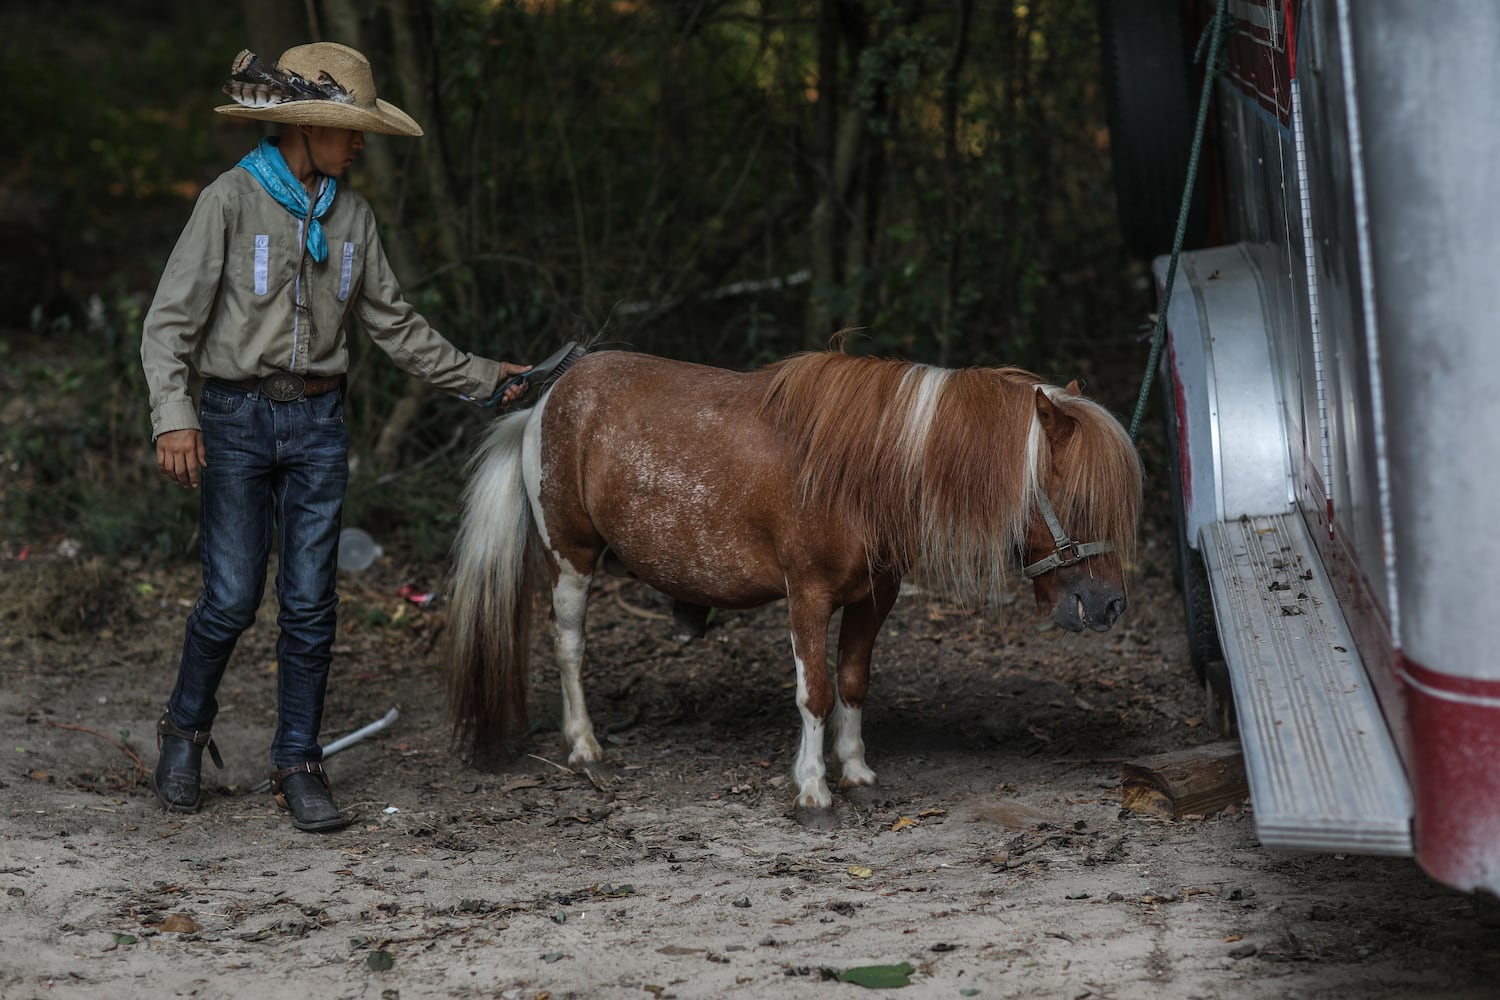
[{"x": 1066, "y": 551}]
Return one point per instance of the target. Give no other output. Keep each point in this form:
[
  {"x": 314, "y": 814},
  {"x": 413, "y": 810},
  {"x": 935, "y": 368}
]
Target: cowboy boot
[
  {"x": 303, "y": 790},
  {"x": 179, "y": 765}
]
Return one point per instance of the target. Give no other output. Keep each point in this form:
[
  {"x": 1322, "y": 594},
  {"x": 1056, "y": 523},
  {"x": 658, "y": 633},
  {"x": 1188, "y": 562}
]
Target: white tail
[{"x": 495, "y": 574}]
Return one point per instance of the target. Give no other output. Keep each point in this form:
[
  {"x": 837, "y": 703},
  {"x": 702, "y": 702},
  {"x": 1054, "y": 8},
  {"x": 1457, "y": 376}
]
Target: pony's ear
[
  {"x": 1074, "y": 389},
  {"x": 1056, "y": 424}
]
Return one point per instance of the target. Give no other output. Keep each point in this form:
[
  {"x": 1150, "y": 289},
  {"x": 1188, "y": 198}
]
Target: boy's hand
[
  {"x": 180, "y": 456},
  {"x": 516, "y": 391}
]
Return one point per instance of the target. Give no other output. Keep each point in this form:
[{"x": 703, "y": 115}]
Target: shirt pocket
[
  {"x": 262, "y": 264},
  {"x": 351, "y": 263}
]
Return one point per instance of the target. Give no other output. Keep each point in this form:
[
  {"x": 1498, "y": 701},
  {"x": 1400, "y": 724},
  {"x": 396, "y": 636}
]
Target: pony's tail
[{"x": 495, "y": 575}]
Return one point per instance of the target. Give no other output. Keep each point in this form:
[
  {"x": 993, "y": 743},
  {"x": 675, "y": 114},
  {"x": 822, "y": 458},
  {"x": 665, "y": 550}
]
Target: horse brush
[{"x": 539, "y": 377}]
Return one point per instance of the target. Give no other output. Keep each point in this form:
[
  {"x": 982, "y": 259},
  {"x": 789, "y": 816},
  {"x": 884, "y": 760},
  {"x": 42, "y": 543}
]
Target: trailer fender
[{"x": 1230, "y": 433}]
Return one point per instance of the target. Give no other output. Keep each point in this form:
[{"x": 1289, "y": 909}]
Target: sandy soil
[{"x": 999, "y": 865}]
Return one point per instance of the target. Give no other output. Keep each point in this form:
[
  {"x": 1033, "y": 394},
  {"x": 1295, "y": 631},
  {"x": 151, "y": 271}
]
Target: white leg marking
[
  {"x": 849, "y": 746},
  {"x": 809, "y": 772},
  {"x": 570, "y": 600},
  {"x": 569, "y": 604}
]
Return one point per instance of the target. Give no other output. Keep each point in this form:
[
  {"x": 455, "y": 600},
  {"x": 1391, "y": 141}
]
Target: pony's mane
[{"x": 937, "y": 469}]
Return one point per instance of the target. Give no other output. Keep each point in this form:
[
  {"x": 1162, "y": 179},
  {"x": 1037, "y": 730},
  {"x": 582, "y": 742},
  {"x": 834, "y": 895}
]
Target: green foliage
[
  {"x": 105, "y": 124},
  {"x": 878, "y": 977},
  {"x": 75, "y": 446},
  {"x": 636, "y": 174}
]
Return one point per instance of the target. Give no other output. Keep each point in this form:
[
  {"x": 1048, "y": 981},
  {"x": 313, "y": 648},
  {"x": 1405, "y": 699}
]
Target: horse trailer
[{"x": 1332, "y": 405}]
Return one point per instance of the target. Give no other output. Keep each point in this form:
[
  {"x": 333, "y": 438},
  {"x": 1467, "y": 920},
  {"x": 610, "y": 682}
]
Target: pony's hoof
[
  {"x": 864, "y": 796},
  {"x": 817, "y": 818}
]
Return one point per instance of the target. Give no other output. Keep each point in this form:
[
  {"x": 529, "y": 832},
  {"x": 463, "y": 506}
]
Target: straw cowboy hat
[{"x": 323, "y": 83}]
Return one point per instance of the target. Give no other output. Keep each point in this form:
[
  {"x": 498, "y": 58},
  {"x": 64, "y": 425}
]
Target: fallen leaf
[
  {"x": 125, "y": 939},
  {"x": 925, "y": 813},
  {"x": 677, "y": 949},
  {"x": 180, "y": 923},
  {"x": 903, "y": 823},
  {"x": 1232, "y": 938},
  {"x": 615, "y": 891},
  {"x": 878, "y": 977},
  {"x": 380, "y": 961},
  {"x": 860, "y": 871}
]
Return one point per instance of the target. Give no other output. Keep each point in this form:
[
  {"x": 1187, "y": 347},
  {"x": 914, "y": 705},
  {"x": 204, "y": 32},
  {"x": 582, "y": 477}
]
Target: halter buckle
[{"x": 1067, "y": 553}]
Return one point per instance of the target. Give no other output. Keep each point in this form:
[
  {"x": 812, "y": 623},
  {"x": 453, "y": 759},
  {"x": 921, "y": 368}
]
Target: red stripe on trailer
[
  {"x": 1291, "y": 41},
  {"x": 1184, "y": 453},
  {"x": 1455, "y": 744}
]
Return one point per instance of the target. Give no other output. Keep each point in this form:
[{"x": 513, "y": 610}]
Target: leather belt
[{"x": 284, "y": 387}]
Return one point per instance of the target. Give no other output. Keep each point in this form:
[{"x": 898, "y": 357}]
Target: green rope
[{"x": 1213, "y": 34}]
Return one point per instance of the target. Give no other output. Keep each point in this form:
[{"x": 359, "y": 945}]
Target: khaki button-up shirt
[{"x": 240, "y": 298}]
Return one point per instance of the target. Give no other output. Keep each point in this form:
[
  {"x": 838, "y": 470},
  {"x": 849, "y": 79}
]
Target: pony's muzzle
[
  {"x": 1113, "y": 609},
  {"x": 1089, "y": 608}
]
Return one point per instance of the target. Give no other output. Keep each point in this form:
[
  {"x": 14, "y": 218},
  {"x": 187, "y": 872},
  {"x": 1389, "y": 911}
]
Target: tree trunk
[
  {"x": 416, "y": 93},
  {"x": 839, "y": 146},
  {"x": 419, "y": 92},
  {"x": 342, "y": 20},
  {"x": 344, "y": 24},
  {"x": 823, "y": 224},
  {"x": 953, "y": 182}
]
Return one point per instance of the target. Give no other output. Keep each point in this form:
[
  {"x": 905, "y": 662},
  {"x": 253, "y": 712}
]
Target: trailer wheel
[
  {"x": 1150, "y": 90},
  {"x": 1190, "y": 574}
]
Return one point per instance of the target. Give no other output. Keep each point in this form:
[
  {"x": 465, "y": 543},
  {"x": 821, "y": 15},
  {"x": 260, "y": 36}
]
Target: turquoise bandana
[{"x": 265, "y": 162}]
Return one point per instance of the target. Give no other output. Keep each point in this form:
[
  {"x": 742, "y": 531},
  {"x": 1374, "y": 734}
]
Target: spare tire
[{"x": 1151, "y": 101}]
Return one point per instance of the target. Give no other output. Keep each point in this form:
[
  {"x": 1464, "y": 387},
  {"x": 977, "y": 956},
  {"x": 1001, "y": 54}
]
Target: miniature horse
[{"x": 824, "y": 479}]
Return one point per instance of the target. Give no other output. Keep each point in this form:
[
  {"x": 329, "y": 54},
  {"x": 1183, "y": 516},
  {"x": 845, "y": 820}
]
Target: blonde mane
[{"x": 937, "y": 469}]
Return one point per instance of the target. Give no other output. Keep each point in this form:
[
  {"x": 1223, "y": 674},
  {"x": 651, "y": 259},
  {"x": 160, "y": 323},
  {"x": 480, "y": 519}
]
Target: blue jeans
[{"x": 274, "y": 470}]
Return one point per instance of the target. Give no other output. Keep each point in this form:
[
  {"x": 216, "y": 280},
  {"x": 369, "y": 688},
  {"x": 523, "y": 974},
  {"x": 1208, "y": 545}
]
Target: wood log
[{"x": 1195, "y": 781}]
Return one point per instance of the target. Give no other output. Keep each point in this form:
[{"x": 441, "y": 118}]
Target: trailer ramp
[{"x": 1323, "y": 772}]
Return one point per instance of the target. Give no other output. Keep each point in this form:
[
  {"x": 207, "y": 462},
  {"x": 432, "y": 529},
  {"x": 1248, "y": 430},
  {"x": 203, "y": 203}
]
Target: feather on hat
[{"x": 322, "y": 83}]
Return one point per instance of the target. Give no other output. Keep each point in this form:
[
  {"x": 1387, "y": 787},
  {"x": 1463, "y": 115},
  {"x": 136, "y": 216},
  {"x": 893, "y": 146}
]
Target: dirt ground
[{"x": 1000, "y": 863}]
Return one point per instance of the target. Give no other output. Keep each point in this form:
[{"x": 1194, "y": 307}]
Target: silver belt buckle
[{"x": 282, "y": 387}]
